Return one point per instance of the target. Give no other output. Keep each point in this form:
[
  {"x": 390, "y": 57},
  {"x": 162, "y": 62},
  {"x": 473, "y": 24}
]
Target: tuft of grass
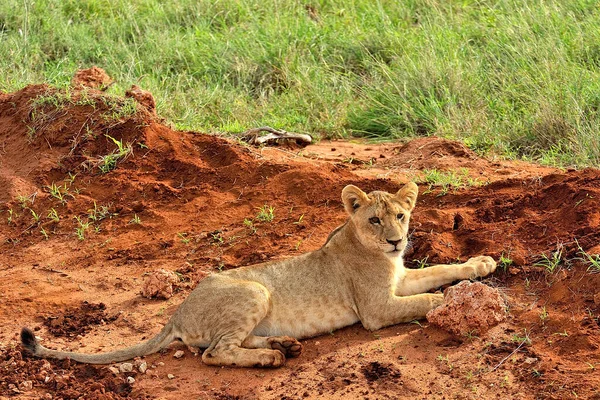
[
  {"x": 109, "y": 162},
  {"x": 505, "y": 262},
  {"x": 266, "y": 213},
  {"x": 82, "y": 227},
  {"x": 551, "y": 262},
  {"x": 447, "y": 180},
  {"x": 591, "y": 260},
  {"x": 135, "y": 220},
  {"x": 516, "y": 78}
]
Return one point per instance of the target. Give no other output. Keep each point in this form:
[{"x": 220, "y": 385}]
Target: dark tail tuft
[{"x": 28, "y": 340}]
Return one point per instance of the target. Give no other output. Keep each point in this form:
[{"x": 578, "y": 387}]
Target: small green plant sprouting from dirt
[
  {"x": 60, "y": 192},
  {"x": 266, "y": 213},
  {"x": 422, "y": 263},
  {"x": 505, "y": 262},
  {"x": 109, "y": 162},
  {"x": 217, "y": 237},
  {"x": 53, "y": 215},
  {"x": 183, "y": 236},
  {"x": 82, "y": 227},
  {"x": 551, "y": 262},
  {"x": 44, "y": 233},
  {"x": 544, "y": 314},
  {"x": 591, "y": 260},
  {"x": 26, "y": 201},
  {"x": 248, "y": 223},
  {"x": 11, "y": 215},
  {"x": 135, "y": 220},
  {"x": 98, "y": 213},
  {"x": 36, "y": 216},
  {"x": 515, "y": 338}
]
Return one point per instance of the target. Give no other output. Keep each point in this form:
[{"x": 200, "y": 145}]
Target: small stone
[
  {"x": 531, "y": 360},
  {"x": 469, "y": 308},
  {"x": 47, "y": 396},
  {"x": 126, "y": 367},
  {"x": 171, "y": 376},
  {"x": 26, "y": 385},
  {"x": 160, "y": 284},
  {"x": 130, "y": 379},
  {"x": 160, "y": 363},
  {"x": 114, "y": 370},
  {"x": 143, "y": 367},
  {"x": 178, "y": 354}
]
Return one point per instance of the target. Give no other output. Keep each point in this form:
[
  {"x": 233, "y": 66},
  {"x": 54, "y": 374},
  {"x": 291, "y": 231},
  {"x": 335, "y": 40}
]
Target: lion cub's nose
[{"x": 394, "y": 242}]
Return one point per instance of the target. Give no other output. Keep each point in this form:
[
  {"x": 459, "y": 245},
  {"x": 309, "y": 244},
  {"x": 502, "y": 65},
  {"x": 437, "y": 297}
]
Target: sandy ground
[{"x": 191, "y": 194}]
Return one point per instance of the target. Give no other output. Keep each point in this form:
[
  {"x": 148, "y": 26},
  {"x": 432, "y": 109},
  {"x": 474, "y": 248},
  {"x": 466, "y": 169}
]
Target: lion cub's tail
[{"x": 31, "y": 344}]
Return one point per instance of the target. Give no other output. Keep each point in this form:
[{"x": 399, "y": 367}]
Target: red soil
[{"x": 192, "y": 194}]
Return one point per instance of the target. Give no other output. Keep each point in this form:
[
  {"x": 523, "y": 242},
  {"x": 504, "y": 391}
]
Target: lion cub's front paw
[
  {"x": 482, "y": 265},
  {"x": 437, "y": 299}
]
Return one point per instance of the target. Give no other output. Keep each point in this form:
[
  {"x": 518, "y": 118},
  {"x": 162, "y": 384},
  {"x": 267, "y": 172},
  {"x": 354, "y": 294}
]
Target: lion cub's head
[{"x": 381, "y": 218}]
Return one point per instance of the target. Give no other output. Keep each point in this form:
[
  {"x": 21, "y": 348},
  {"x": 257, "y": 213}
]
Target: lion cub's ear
[
  {"x": 353, "y": 198},
  {"x": 407, "y": 196}
]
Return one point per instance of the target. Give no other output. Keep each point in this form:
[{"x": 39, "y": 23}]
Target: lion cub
[{"x": 253, "y": 316}]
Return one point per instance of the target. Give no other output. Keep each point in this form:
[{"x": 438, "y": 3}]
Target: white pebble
[{"x": 178, "y": 354}]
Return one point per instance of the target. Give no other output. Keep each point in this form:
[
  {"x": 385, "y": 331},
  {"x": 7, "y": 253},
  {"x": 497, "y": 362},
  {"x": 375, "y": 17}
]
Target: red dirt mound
[{"x": 99, "y": 193}]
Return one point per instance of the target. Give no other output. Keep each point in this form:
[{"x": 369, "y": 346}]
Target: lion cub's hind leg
[
  {"x": 289, "y": 346},
  {"x": 242, "y": 306}
]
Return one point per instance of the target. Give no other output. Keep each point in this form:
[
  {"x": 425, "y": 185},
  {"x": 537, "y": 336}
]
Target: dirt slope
[{"x": 188, "y": 202}]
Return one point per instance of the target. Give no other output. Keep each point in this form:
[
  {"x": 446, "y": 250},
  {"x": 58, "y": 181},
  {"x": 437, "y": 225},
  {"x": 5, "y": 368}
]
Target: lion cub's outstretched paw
[
  {"x": 483, "y": 265},
  {"x": 287, "y": 345}
]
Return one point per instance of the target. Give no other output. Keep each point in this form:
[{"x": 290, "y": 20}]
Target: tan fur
[{"x": 253, "y": 316}]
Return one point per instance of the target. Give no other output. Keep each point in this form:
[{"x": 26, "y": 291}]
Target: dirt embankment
[{"x": 98, "y": 193}]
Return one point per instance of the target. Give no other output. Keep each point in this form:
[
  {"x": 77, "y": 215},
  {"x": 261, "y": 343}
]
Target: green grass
[{"x": 519, "y": 78}]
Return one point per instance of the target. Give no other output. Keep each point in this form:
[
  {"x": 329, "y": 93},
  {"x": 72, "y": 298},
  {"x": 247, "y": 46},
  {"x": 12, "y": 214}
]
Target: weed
[
  {"x": 53, "y": 215},
  {"x": 61, "y": 193},
  {"x": 551, "y": 262},
  {"x": 109, "y": 162},
  {"x": 563, "y": 333},
  {"x": 35, "y": 216},
  {"x": 266, "y": 213},
  {"x": 217, "y": 237},
  {"x": 10, "y": 215},
  {"x": 135, "y": 220},
  {"x": 515, "y": 338},
  {"x": 250, "y": 225},
  {"x": 592, "y": 260},
  {"x": 82, "y": 227},
  {"x": 422, "y": 263},
  {"x": 298, "y": 243},
  {"x": 26, "y": 201},
  {"x": 299, "y": 220},
  {"x": 44, "y": 233},
  {"x": 544, "y": 314},
  {"x": 97, "y": 214},
  {"x": 184, "y": 237},
  {"x": 505, "y": 262}
]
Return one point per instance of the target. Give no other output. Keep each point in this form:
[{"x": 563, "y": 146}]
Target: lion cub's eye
[
  {"x": 400, "y": 217},
  {"x": 374, "y": 220}
]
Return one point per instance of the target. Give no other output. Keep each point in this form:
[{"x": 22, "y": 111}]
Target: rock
[
  {"x": 126, "y": 367},
  {"x": 171, "y": 376},
  {"x": 531, "y": 360},
  {"x": 143, "y": 367},
  {"x": 114, "y": 370},
  {"x": 26, "y": 385},
  {"x": 178, "y": 354},
  {"x": 143, "y": 97},
  {"x": 130, "y": 379},
  {"x": 94, "y": 78},
  {"x": 469, "y": 308},
  {"x": 160, "y": 284}
]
